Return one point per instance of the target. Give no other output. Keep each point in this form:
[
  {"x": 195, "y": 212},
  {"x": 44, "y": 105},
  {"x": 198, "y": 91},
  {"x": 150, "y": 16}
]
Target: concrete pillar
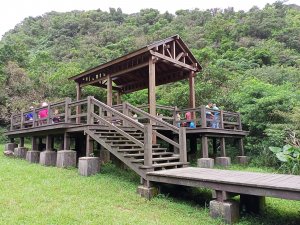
[
  {"x": 88, "y": 166},
  {"x": 242, "y": 160},
  {"x": 33, "y": 156},
  {"x": 252, "y": 204},
  {"x": 20, "y": 152},
  {"x": 227, "y": 210},
  {"x": 9, "y": 149},
  {"x": 146, "y": 190},
  {"x": 66, "y": 158},
  {"x": 223, "y": 161},
  {"x": 48, "y": 158},
  {"x": 205, "y": 163}
]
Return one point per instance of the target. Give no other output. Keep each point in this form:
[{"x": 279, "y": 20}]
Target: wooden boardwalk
[{"x": 250, "y": 183}]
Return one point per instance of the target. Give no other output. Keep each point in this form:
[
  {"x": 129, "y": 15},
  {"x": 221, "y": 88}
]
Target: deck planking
[{"x": 253, "y": 183}]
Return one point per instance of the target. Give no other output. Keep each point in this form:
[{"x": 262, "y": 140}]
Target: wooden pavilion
[
  {"x": 86, "y": 121},
  {"x": 161, "y": 62}
]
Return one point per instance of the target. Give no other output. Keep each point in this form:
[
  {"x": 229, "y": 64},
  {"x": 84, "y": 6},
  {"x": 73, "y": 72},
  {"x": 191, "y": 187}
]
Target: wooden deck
[{"x": 250, "y": 183}]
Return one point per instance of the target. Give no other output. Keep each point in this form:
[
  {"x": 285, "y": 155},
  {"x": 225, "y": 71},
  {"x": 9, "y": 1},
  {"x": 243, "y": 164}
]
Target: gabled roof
[{"x": 174, "y": 61}]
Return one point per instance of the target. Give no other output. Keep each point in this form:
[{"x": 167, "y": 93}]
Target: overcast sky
[{"x": 13, "y": 12}]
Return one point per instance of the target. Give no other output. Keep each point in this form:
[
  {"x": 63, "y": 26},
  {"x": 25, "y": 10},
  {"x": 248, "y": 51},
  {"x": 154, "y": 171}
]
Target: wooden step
[
  {"x": 161, "y": 165},
  {"x": 141, "y": 150},
  {"x": 124, "y": 145},
  {"x": 156, "y": 159},
  {"x": 153, "y": 154}
]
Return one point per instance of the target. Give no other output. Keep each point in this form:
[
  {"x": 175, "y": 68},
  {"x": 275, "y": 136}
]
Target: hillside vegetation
[{"x": 251, "y": 62}]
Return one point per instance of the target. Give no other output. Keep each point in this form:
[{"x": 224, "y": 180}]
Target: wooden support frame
[
  {"x": 67, "y": 141},
  {"x": 204, "y": 140},
  {"x": 34, "y": 145},
  {"x": 222, "y": 147},
  {"x": 49, "y": 142},
  {"x": 22, "y": 141},
  {"x": 89, "y": 146}
]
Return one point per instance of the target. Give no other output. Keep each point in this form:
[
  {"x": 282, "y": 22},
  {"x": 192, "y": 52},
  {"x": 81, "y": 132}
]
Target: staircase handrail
[
  {"x": 128, "y": 119},
  {"x": 153, "y": 118}
]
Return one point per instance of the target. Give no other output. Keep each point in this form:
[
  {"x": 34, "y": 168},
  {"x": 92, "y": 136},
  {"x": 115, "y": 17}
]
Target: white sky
[{"x": 13, "y": 12}]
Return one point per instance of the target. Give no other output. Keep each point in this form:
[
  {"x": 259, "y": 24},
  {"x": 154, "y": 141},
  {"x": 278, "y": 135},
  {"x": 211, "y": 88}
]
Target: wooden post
[
  {"x": 22, "y": 119},
  {"x": 125, "y": 112},
  {"x": 192, "y": 100},
  {"x": 12, "y": 122},
  {"x": 174, "y": 116},
  {"x": 182, "y": 145},
  {"x": 119, "y": 98},
  {"x": 109, "y": 96},
  {"x": 214, "y": 140},
  {"x": 66, "y": 141},
  {"x": 34, "y": 114},
  {"x": 151, "y": 92},
  {"x": 21, "y": 142},
  {"x": 109, "y": 91},
  {"x": 78, "y": 97},
  {"x": 221, "y": 125},
  {"x": 90, "y": 110},
  {"x": 148, "y": 145},
  {"x": 89, "y": 145},
  {"x": 241, "y": 146},
  {"x": 203, "y": 116},
  {"x": 240, "y": 121},
  {"x": 204, "y": 146},
  {"x": 49, "y": 114},
  {"x": 34, "y": 145},
  {"x": 49, "y": 143},
  {"x": 67, "y": 110},
  {"x": 222, "y": 146}
]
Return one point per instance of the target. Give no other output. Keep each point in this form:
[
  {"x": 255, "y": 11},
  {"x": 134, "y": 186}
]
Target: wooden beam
[
  {"x": 66, "y": 141},
  {"x": 174, "y": 61},
  {"x": 109, "y": 91},
  {"x": 89, "y": 146},
  {"x": 192, "y": 99}
]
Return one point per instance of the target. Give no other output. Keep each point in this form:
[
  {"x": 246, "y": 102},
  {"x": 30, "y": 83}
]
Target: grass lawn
[{"x": 33, "y": 194}]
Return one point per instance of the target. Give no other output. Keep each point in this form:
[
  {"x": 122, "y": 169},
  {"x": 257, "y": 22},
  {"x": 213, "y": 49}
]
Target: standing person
[
  {"x": 43, "y": 113},
  {"x": 209, "y": 115},
  {"x": 215, "y": 123},
  {"x": 29, "y": 116},
  {"x": 188, "y": 117}
]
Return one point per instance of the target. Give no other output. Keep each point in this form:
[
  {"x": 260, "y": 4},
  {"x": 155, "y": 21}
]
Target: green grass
[{"x": 33, "y": 194}]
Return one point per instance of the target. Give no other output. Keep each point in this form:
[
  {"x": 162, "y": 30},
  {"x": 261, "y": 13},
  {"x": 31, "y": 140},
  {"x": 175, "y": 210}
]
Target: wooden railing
[
  {"x": 159, "y": 124},
  {"x": 90, "y": 111},
  {"x": 208, "y": 118}
]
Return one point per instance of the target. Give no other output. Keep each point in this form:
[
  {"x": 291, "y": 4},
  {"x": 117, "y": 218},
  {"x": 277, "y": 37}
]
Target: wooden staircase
[
  {"x": 131, "y": 141},
  {"x": 132, "y": 154}
]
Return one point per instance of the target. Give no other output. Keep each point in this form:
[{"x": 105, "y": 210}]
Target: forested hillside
[{"x": 251, "y": 61}]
